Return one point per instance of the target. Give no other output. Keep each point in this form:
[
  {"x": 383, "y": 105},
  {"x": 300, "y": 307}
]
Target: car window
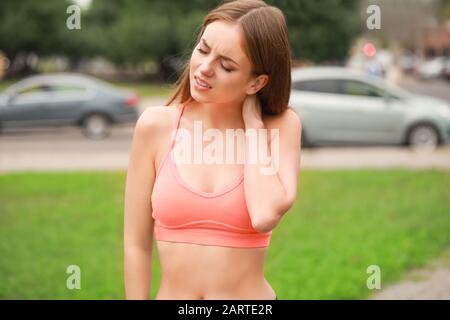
[
  {"x": 46, "y": 93},
  {"x": 36, "y": 89},
  {"x": 323, "y": 85},
  {"x": 68, "y": 92},
  {"x": 358, "y": 88},
  {"x": 31, "y": 94},
  {"x": 67, "y": 88}
]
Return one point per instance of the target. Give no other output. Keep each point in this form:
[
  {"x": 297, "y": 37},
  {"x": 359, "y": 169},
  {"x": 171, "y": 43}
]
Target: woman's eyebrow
[{"x": 225, "y": 57}]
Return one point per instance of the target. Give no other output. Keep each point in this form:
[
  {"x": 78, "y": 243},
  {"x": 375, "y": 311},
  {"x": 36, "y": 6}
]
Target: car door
[
  {"x": 65, "y": 102},
  {"x": 372, "y": 115},
  {"x": 49, "y": 104},
  {"x": 323, "y": 109},
  {"x": 25, "y": 107},
  {"x": 344, "y": 110}
]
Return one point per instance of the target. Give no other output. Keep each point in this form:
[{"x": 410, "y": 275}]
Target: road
[
  {"x": 67, "y": 149},
  {"x": 56, "y": 149},
  {"x": 435, "y": 88}
]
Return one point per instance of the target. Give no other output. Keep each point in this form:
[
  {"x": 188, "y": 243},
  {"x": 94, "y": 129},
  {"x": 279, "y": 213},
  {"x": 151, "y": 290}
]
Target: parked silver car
[
  {"x": 66, "y": 99},
  {"x": 342, "y": 106}
]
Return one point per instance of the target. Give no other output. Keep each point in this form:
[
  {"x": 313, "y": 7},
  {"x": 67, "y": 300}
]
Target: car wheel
[
  {"x": 96, "y": 126},
  {"x": 423, "y": 137}
]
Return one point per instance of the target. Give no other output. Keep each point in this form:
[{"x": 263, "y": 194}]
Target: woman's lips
[{"x": 201, "y": 85}]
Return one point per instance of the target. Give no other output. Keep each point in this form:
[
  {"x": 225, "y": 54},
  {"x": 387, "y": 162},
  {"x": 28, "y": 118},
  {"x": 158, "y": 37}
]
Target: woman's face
[{"x": 220, "y": 61}]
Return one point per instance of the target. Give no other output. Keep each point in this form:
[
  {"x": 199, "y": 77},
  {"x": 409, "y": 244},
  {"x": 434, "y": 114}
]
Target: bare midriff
[{"x": 196, "y": 272}]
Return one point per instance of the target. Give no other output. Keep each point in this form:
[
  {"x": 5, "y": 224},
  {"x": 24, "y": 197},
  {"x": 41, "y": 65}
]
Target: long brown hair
[{"x": 266, "y": 45}]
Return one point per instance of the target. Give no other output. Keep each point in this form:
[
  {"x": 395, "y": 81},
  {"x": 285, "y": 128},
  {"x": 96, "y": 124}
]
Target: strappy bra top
[{"x": 183, "y": 214}]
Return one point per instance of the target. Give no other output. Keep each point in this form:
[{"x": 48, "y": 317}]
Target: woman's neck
[{"x": 218, "y": 116}]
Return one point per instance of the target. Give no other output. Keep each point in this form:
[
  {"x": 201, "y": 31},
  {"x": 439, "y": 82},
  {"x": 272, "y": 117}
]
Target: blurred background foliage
[{"x": 132, "y": 32}]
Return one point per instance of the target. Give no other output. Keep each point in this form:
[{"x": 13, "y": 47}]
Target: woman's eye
[{"x": 204, "y": 52}]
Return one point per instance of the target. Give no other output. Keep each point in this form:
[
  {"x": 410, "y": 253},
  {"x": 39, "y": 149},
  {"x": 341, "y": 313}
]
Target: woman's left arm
[{"x": 271, "y": 192}]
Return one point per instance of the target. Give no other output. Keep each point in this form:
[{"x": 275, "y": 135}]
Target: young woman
[{"x": 213, "y": 222}]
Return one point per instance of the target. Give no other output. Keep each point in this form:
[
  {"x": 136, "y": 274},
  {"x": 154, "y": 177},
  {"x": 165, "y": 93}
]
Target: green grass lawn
[{"x": 342, "y": 222}]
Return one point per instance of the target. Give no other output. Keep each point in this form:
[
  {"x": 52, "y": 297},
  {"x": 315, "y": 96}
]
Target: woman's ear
[{"x": 258, "y": 84}]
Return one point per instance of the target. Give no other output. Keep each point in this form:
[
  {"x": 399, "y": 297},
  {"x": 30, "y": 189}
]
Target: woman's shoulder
[
  {"x": 288, "y": 118},
  {"x": 157, "y": 119}
]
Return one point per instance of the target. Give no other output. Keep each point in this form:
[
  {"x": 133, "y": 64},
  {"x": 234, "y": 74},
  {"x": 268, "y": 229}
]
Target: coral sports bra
[{"x": 183, "y": 214}]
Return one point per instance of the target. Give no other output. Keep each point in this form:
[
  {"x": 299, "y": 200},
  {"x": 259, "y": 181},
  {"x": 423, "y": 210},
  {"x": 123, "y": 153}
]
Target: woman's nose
[{"x": 206, "y": 68}]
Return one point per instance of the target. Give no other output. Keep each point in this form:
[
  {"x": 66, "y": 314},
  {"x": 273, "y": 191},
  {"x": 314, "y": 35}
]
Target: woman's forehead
[{"x": 227, "y": 38}]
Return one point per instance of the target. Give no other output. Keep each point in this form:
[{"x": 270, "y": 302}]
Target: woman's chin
[{"x": 199, "y": 98}]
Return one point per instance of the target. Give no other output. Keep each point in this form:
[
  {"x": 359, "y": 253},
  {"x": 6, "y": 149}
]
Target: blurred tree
[
  {"x": 320, "y": 31},
  {"x": 164, "y": 30},
  {"x": 29, "y": 26},
  {"x": 132, "y": 32},
  {"x": 444, "y": 9},
  {"x": 135, "y": 31}
]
